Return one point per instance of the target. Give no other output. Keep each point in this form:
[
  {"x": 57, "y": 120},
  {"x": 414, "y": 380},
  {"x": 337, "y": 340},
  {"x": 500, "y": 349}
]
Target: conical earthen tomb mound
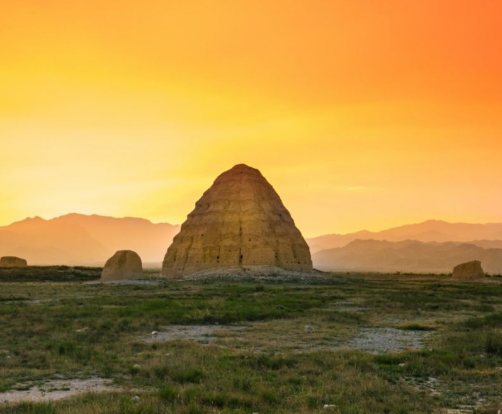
[{"x": 240, "y": 222}]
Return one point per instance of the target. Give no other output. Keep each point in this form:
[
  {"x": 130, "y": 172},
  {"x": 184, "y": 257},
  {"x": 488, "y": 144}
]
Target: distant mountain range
[
  {"x": 77, "y": 239},
  {"x": 432, "y": 246},
  {"x": 483, "y": 235},
  {"x": 406, "y": 256}
]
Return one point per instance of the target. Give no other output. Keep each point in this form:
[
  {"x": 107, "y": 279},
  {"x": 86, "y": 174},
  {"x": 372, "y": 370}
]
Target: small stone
[
  {"x": 135, "y": 398},
  {"x": 402, "y": 365},
  {"x": 136, "y": 366},
  {"x": 325, "y": 406},
  {"x": 309, "y": 329},
  {"x": 154, "y": 333}
]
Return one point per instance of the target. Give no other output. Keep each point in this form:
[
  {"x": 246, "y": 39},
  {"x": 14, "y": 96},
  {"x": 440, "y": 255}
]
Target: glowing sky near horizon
[{"x": 362, "y": 114}]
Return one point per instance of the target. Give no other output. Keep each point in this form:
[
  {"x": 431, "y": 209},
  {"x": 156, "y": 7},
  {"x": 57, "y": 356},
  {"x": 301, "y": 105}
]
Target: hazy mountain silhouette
[
  {"x": 78, "y": 239},
  {"x": 432, "y": 246},
  {"x": 406, "y": 256},
  {"x": 429, "y": 231}
]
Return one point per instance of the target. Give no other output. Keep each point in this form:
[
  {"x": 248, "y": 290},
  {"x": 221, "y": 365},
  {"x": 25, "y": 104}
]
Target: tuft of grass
[
  {"x": 489, "y": 321},
  {"x": 190, "y": 375},
  {"x": 493, "y": 343},
  {"x": 417, "y": 327},
  {"x": 168, "y": 393},
  {"x": 30, "y": 408}
]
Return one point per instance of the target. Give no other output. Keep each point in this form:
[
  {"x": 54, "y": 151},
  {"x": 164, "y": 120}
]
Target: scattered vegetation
[
  {"x": 49, "y": 274},
  {"x": 262, "y": 360}
]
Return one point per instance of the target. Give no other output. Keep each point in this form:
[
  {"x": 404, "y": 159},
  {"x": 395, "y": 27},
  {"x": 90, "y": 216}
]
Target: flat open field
[{"x": 341, "y": 344}]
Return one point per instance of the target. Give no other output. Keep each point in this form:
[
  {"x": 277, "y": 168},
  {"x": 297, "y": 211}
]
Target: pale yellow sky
[{"x": 360, "y": 114}]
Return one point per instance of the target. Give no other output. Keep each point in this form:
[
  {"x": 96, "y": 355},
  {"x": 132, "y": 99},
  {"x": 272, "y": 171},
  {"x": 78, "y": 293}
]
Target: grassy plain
[{"x": 259, "y": 359}]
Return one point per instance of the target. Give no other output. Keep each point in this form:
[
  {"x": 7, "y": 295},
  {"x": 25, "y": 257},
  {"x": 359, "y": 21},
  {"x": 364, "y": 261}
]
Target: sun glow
[{"x": 361, "y": 114}]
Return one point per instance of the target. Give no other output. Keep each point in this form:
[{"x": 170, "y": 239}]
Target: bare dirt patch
[
  {"x": 57, "y": 389},
  {"x": 128, "y": 282},
  {"x": 382, "y": 340},
  {"x": 200, "y": 333}
]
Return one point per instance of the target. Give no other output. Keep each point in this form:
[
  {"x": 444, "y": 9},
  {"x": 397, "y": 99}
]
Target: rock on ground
[
  {"x": 468, "y": 271},
  {"x": 125, "y": 264},
  {"x": 12, "y": 261}
]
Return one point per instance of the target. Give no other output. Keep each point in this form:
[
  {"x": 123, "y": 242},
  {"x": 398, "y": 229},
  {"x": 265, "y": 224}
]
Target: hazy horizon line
[{"x": 306, "y": 236}]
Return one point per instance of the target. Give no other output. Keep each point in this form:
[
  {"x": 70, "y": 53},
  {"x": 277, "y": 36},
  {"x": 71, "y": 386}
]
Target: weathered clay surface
[
  {"x": 11, "y": 261},
  {"x": 469, "y": 271},
  {"x": 239, "y": 222},
  {"x": 125, "y": 264}
]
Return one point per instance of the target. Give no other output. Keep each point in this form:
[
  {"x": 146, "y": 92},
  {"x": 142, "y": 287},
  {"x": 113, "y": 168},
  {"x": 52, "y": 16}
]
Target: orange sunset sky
[{"x": 361, "y": 113}]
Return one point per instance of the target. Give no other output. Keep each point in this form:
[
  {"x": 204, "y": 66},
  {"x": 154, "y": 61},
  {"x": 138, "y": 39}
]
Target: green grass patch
[{"x": 67, "y": 329}]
